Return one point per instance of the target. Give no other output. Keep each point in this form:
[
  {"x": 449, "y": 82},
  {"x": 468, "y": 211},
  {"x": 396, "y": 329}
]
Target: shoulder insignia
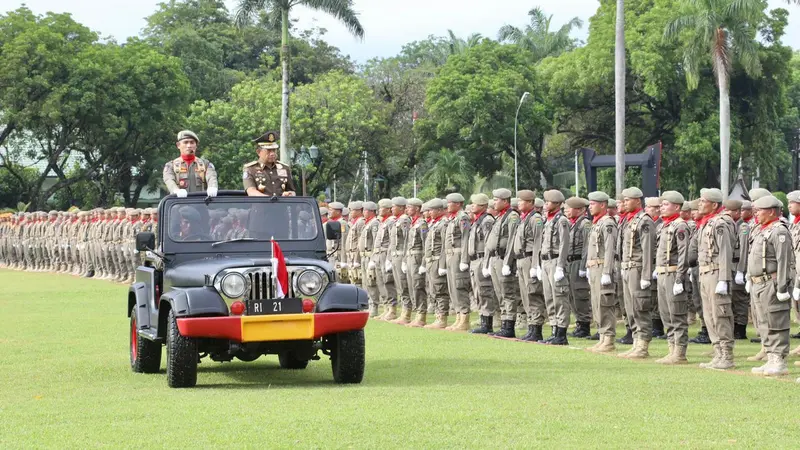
[
  {"x": 251, "y": 164},
  {"x": 782, "y": 239},
  {"x": 278, "y": 165}
]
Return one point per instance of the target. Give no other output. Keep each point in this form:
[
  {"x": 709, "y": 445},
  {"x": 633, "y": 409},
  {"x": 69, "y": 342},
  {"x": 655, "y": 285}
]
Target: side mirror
[
  {"x": 145, "y": 241},
  {"x": 333, "y": 230}
]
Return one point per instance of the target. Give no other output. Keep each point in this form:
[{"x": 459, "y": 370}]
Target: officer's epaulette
[{"x": 251, "y": 164}]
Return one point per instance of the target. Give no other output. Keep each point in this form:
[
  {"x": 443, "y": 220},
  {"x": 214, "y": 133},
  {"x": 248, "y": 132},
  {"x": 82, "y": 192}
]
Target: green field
[{"x": 65, "y": 382}]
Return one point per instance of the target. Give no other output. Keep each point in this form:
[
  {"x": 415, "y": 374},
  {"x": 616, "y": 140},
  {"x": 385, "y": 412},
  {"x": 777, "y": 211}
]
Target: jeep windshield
[{"x": 237, "y": 221}]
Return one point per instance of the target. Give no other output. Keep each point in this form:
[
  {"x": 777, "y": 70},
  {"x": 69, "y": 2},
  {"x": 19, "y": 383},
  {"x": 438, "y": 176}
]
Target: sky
[{"x": 388, "y": 23}]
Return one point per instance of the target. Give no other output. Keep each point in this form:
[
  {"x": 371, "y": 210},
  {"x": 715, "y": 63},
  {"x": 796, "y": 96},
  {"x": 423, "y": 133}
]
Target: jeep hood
[{"x": 193, "y": 273}]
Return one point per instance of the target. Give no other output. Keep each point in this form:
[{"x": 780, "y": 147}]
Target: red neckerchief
[
  {"x": 452, "y": 215},
  {"x": 437, "y": 219},
  {"x": 134, "y": 220},
  {"x": 770, "y": 223},
  {"x": 52, "y": 220},
  {"x": 366, "y": 221},
  {"x": 324, "y": 220},
  {"x": 572, "y": 221},
  {"x": 631, "y": 215},
  {"x": 796, "y": 220},
  {"x": 702, "y": 221},
  {"x": 386, "y": 218},
  {"x": 188, "y": 159},
  {"x": 666, "y": 220},
  {"x": 524, "y": 215},
  {"x": 551, "y": 216},
  {"x": 397, "y": 216},
  {"x": 155, "y": 220},
  {"x": 596, "y": 219},
  {"x": 503, "y": 212},
  {"x": 414, "y": 220},
  {"x": 476, "y": 218}
]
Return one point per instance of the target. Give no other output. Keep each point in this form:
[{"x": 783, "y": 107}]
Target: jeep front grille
[{"x": 261, "y": 284}]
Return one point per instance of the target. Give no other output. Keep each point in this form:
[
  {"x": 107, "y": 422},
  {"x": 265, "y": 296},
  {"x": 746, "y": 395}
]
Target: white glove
[
  {"x": 655, "y": 275},
  {"x": 559, "y": 274},
  {"x": 533, "y": 272},
  {"x": 486, "y": 272},
  {"x": 371, "y": 265},
  {"x": 357, "y": 265},
  {"x": 796, "y": 294},
  {"x": 748, "y": 286},
  {"x": 422, "y": 270},
  {"x": 582, "y": 273},
  {"x": 722, "y": 288},
  {"x": 442, "y": 272},
  {"x": 388, "y": 266},
  {"x": 463, "y": 267},
  {"x": 343, "y": 265},
  {"x": 506, "y": 271},
  {"x": 181, "y": 193},
  {"x": 783, "y": 296},
  {"x": 644, "y": 284},
  {"x": 691, "y": 278},
  {"x": 739, "y": 278},
  {"x": 605, "y": 280},
  {"x": 539, "y": 272},
  {"x": 404, "y": 267},
  {"x": 212, "y": 192},
  {"x": 677, "y": 289}
]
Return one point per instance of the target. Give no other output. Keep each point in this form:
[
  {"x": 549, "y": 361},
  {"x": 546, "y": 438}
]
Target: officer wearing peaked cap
[
  {"x": 189, "y": 173},
  {"x": 267, "y": 176}
]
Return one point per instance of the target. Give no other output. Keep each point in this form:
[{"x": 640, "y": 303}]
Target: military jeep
[{"x": 207, "y": 288}]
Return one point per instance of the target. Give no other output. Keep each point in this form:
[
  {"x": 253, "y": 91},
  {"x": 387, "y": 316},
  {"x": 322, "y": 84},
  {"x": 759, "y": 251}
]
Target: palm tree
[
  {"x": 723, "y": 30},
  {"x": 449, "y": 172},
  {"x": 537, "y": 37},
  {"x": 619, "y": 98},
  {"x": 278, "y": 12},
  {"x": 450, "y": 45}
]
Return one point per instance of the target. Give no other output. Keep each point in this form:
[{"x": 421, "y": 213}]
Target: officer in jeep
[
  {"x": 267, "y": 176},
  {"x": 188, "y": 173}
]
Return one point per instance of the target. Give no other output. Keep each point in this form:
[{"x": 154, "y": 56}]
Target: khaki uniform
[
  {"x": 696, "y": 303},
  {"x": 380, "y": 256},
  {"x": 482, "y": 288},
  {"x": 195, "y": 177},
  {"x": 601, "y": 260},
  {"x": 269, "y": 179},
  {"x": 336, "y": 250},
  {"x": 415, "y": 254},
  {"x": 580, "y": 302},
  {"x": 715, "y": 260},
  {"x": 739, "y": 296},
  {"x": 352, "y": 253},
  {"x": 672, "y": 267},
  {"x": 496, "y": 246},
  {"x": 770, "y": 267},
  {"x": 524, "y": 253},
  {"x": 366, "y": 247},
  {"x": 398, "y": 235},
  {"x": 456, "y": 237},
  {"x": 555, "y": 250},
  {"x": 637, "y": 266},
  {"x": 435, "y": 260}
]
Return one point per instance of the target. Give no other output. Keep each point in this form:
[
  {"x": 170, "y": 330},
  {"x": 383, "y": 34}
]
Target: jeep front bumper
[{"x": 278, "y": 327}]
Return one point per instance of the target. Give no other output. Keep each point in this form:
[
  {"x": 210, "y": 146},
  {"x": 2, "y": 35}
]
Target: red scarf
[
  {"x": 702, "y": 221},
  {"x": 478, "y": 217},
  {"x": 386, "y": 218},
  {"x": 550, "y": 216},
  {"x": 572, "y": 221},
  {"x": 770, "y": 223},
  {"x": 631, "y": 215},
  {"x": 188, "y": 159},
  {"x": 667, "y": 220},
  {"x": 796, "y": 220},
  {"x": 597, "y": 218},
  {"x": 503, "y": 212},
  {"x": 414, "y": 220},
  {"x": 436, "y": 220},
  {"x": 524, "y": 215},
  {"x": 366, "y": 221}
]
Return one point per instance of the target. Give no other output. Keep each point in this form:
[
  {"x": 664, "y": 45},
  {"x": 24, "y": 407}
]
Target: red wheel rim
[{"x": 134, "y": 339}]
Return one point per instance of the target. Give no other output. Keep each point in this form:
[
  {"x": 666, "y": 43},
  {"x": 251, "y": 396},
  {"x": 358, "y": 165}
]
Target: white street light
[{"x": 516, "y": 118}]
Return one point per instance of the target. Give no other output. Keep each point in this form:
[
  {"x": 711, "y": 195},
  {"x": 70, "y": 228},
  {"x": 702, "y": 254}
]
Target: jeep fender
[
  {"x": 343, "y": 297},
  {"x": 138, "y": 296},
  {"x": 199, "y": 301}
]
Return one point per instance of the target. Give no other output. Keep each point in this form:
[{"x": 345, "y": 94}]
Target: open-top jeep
[{"x": 208, "y": 288}]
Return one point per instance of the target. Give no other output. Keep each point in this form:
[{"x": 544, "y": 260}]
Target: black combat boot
[
  {"x": 739, "y": 331},
  {"x": 537, "y": 333},
  {"x": 552, "y": 335},
  {"x": 658, "y": 329},
  {"x": 529, "y": 335},
  {"x": 595, "y": 337},
  {"x": 486, "y": 326},
  {"x": 795, "y": 336},
  {"x": 561, "y": 337},
  {"x": 506, "y": 329},
  {"x": 702, "y": 337},
  {"x": 628, "y": 338},
  {"x": 581, "y": 330}
]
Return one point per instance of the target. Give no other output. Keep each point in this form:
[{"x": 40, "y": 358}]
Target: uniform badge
[
  {"x": 681, "y": 235},
  {"x": 282, "y": 173},
  {"x": 183, "y": 169},
  {"x": 782, "y": 239},
  {"x": 245, "y": 175},
  {"x": 609, "y": 229}
]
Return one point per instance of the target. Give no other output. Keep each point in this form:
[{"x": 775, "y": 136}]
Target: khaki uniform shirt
[
  {"x": 578, "y": 237},
  {"x": 637, "y": 244},
  {"x": 602, "y": 244},
  {"x": 556, "y": 240},
  {"x": 502, "y": 231},
  {"x": 456, "y": 238},
  {"x": 771, "y": 254},
  {"x": 434, "y": 244},
  {"x": 527, "y": 239},
  {"x": 195, "y": 177},
  {"x": 715, "y": 245},
  {"x": 672, "y": 254},
  {"x": 269, "y": 179},
  {"x": 478, "y": 233},
  {"x": 415, "y": 239}
]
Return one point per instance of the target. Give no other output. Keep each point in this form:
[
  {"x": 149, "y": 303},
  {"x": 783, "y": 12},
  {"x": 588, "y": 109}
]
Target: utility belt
[
  {"x": 477, "y": 256},
  {"x": 573, "y": 258},
  {"x": 452, "y": 251},
  {"x": 709, "y": 268},
  {"x": 548, "y": 256},
  {"x": 414, "y": 252},
  {"x": 625, "y": 265},
  {"x": 764, "y": 278},
  {"x": 595, "y": 263},
  {"x": 693, "y": 264},
  {"x": 736, "y": 260},
  {"x": 666, "y": 269},
  {"x": 397, "y": 254},
  {"x": 497, "y": 253}
]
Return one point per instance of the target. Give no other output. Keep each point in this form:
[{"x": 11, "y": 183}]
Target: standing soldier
[
  {"x": 524, "y": 254},
  {"x": 352, "y": 256},
  {"x": 622, "y": 224},
  {"x": 652, "y": 207},
  {"x": 580, "y": 226},
  {"x": 267, "y": 176},
  {"x": 366, "y": 246},
  {"x": 740, "y": 298},
  {"x": 694, "y": 276},
  {"x": 600, "y": 262},
  {"x": 414, "y": 265},
  {"x": 336, "y": 248},
  {"x": 769, "y": 271},
  {"x": 671, "y": 268},
  {"x": 435, "y": 264},
  {"x": 497, "y": 244},
  {"x": 457, "y": 260},
  {"x": 555, "y": 249},
  {"x": 482, "y": 288},
  {"x": 398, "y": 235},
  {"x": 754, "y": 195},
  {"x": 188, "y": 173},
  {"x": 715, "y": 260},
  {"x": 794, "y": 210},
  {"x": 637, "y": 270},
  {"x": 382, "y": 261}
]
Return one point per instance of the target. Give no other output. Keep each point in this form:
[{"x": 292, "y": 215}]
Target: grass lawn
[{"x": 65, "y": 382}]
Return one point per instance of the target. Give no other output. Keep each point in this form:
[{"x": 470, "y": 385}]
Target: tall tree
[
  {"x": 725, "y": 31},
  {"x": 537, "y": 37},
  {"x": 278, "y": 11}
]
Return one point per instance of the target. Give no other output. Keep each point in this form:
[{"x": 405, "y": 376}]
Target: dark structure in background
[{"x": 649, "y": 161}]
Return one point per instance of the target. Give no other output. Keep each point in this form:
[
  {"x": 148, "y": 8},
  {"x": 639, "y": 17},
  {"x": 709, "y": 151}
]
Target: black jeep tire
[
  {"x": 145, "y": 354},
  {"x": 347, "y": 356},
  {"x": 289, "y": 360},
  {"x": 181, "y": 356}
]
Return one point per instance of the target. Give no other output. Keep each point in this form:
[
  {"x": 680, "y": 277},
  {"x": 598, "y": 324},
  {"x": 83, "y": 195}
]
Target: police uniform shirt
[
  {"x": 269, "y": 179},
  {"x": 194, "y": 177}
]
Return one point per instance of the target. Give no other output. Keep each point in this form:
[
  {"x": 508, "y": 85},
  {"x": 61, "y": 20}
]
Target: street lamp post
[{"x": 516, "y": 118}]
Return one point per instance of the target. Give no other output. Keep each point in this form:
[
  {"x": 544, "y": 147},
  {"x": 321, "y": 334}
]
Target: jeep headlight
[
  {"x": 233, "y": 285},
  {"x": 309, "y": 283}
]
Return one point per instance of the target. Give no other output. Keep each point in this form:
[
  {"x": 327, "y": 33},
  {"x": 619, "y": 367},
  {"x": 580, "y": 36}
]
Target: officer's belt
[
  {"x": 549, "y": 256},
  {"x": 709, "y": 268},
  {"x": 381, "y": 250},
  {"x": 693, "y": 264},
  {"x": 573, "y": 258},
  {"x": 666, "y": 269},
  {"x": 397, "y": 254},
  {"x": 595, "y": 263},
  {"x": 764, "y": 278},
  {"x": 495, "y": 253},
  {"x": 452, "y": 251},
  {"x": 414, "y": 252},
  {"x": 625, "y": 265},
  {"x": 366, "y": 254},
  {"x": 736, "y": 260},
  {"x": 476, "y": 256}
]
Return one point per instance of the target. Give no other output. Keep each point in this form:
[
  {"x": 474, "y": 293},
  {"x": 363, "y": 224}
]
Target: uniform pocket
[
  {"x": 642, "y": 300},
  {"x": 681, "y": 307},
  {"x": 608, "y": 299},
  {"x": 463, "y": 283}
]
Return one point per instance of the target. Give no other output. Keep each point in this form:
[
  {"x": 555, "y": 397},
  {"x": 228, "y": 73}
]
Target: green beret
[
  {"x": 653, "y": 202},
  {"x": 436, "y": 204},
  {"x": 526, "y": 195},
  {"x": 576, "y": 202},
  {"x": 502, "y": 194},
  {"x": 455, "y": 198},
  {"x": 554, "y": 195},
  {"x": 712, "y": 195},
  {"x": 480, "y": 199},
  {"x": 673, "y": 197},
  {"x": 732, "y": 204},
  {"x": 538, "y": 203},
  {"x": 336, "y": 205},
  {"x": 415, "y": 202},
  {"x": 757, "y": 193},
  {"x": 598, "y": 196},
  {"x": 768, "y": 202},
  {"x": 370, "y": 206},
  {"x": 384, "y": 203},
  {"x": 399, "y": 201},
  {"x": 612, "y": 203},
  {"x": 356, "y": 205},
  {"x": 632, "y": 192},
  {"x": 186, "y": 134}
]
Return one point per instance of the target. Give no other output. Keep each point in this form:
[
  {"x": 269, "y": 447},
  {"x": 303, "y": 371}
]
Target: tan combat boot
[
  {"x": 606, "y": 345},
  {"x": 668, "y": 358},
  {"x": 419, "y": 320},
  {"x": 795, "y": 352},
  {"x": 464, "y": 325},
  {"x": 373, "y": 311},
  {"x": 640, "y": 351},
  {"x": 725, "y": 361},
  {"x": 760, "y": 369},
  {"x": 405, "y": 317},
  {"x": 391, "y": 313},
  {"x": 777, "y": 366},
  {"x": 760, "y": 356},
  {"x": 440, "y": 323},
  {"x": 455, "y": 324},
  {"x": 679, "y": 357},
  {"x": 717, "y": 356},
  {"x": 629, "y": 351}
]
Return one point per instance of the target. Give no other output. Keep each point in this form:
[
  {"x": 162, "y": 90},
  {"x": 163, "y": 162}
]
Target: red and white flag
[{"x": 279, "y": 272}]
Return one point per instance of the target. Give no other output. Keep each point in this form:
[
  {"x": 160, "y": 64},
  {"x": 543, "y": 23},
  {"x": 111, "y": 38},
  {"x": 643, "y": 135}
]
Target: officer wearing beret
[
  {"x": 497, "y": 244},
  {"x": 414, "y": 265},
  {"x": 267, "y": 176},
  {"x": 652, "y": 207},
  {"x": 755, "y": 195},
  {"x": 435, "y": 263},
  {"x": 794, "y": 228},
  {"x": 600, "y": 262},
  {"x": 483, "y": 291},
  {"x": 398, "y": 235},
  {"x": 457, "y": 262},
  {"x": 580, "y": 226},
  {"x": 188, "y": 173},
  {"x": 336, "y": 248},
  {"x": 554, "y": 253},
  {"x": 352, "y": 259},
  {"x": 366, "y": 248},
  {"x": 382, "y": 261},
  {"x": 740, "y": 298}
]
